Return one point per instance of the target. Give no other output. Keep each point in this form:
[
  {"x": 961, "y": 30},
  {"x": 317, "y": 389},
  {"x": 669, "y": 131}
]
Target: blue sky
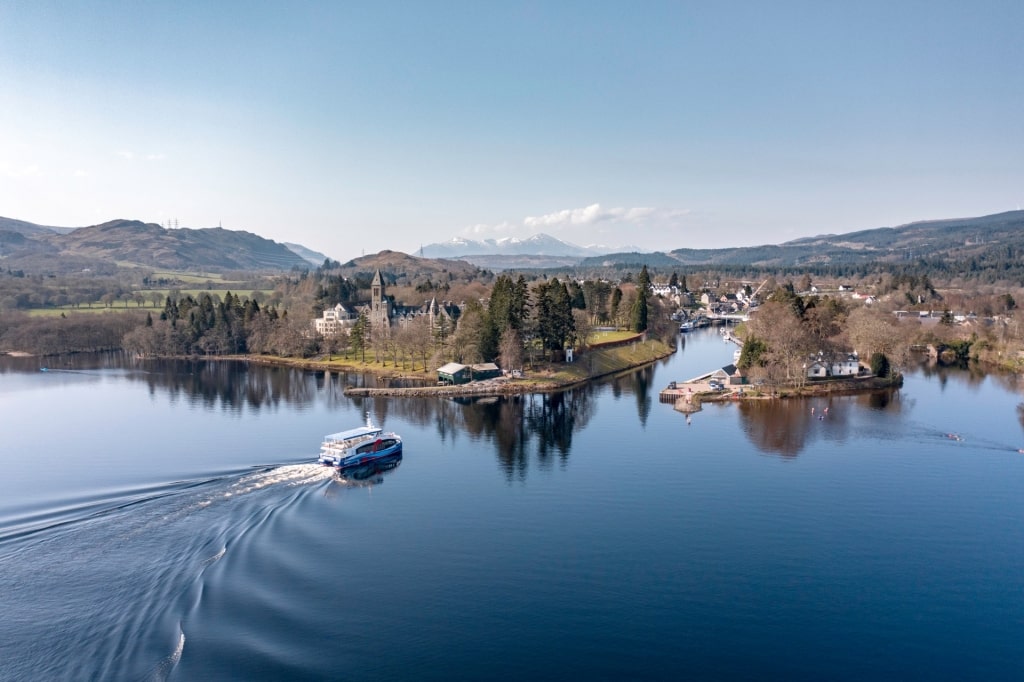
[{"x": 357, "y": 127}]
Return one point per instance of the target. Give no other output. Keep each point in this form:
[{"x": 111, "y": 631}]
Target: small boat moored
[{"x": 359, "y": 446}]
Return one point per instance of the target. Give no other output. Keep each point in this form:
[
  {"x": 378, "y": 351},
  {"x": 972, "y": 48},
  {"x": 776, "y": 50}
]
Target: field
[{"x": 148, "y": 304}]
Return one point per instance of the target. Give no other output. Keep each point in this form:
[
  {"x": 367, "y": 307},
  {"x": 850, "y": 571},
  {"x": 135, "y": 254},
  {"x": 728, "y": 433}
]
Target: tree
[
  {"x": 554, "y": 315},
  {"x": 616, "y": 301},
  {"x": 510, "y": 349},
  {"x": 442, "y": 330},
  {"x": 581, "y": 321},
  {"x": 638, "y": 315},
  {"x": 359, "y": 335},
  {"x": 466, "y": 342},
  {"x": 879, "y": 365},
  {"x": 786, "y": 340},
  {"x": 420, "y": 339},
  {"x": 754, "y": 353},
  {"x": 596, "y": 295},
  {"x": 873, "y": 332}
]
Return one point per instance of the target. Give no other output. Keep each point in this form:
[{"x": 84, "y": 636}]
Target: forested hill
[
  {"x": 147, "y": 244},
  {"x": 968, "y": 243}
]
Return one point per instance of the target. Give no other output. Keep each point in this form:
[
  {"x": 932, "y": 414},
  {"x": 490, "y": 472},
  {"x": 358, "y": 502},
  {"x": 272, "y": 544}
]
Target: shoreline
[
  {"x": 689, "y": 403},
  {"x": 547, "y": 378}
]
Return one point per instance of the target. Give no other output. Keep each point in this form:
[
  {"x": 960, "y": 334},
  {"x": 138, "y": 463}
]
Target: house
[
  {"x": 843, "y": 365},
  {"x": 662, "y": 290},
  {"x": 454, "y": 373},
  {"x": 817, "y": 369},
  {"x": 730, "y": 375},
  {"x": 846, "y": 366},
  {"x": 335, "y": 320}
]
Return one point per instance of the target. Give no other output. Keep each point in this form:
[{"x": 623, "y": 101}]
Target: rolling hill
[
  {"x": 37, "y": 248},
  {"x": 952, "y": 240}
]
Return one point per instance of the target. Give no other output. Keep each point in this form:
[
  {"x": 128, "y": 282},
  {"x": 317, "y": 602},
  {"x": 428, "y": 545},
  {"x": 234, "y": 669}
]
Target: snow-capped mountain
[{"x": 537, "y": 245}]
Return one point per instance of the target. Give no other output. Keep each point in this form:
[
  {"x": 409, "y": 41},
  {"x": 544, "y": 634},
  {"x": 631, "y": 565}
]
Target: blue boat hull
[{"x": 369, "y": 457}]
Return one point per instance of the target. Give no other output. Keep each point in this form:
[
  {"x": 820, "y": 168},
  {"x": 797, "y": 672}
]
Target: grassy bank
[{"x": 541, "y": 377}]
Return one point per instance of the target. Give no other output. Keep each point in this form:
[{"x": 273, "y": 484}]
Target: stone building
[{"x": 382, "y": 310}]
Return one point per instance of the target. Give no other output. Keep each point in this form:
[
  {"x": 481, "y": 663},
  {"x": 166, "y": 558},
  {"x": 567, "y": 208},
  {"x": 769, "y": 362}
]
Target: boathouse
[
  {"x": 484, "y": 370},
  {"x": 454, "y": 373}
]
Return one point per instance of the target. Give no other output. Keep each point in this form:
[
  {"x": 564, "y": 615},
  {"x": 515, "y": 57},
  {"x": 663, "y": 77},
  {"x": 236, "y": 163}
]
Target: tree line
[{"x": 519, "y": 321}]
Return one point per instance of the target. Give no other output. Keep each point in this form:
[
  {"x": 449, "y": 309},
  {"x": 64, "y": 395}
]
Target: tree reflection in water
[{"x": 787, "y": 427}]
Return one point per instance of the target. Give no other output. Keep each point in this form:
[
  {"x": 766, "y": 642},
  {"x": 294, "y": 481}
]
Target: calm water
[{"x": 162, "y": 521}]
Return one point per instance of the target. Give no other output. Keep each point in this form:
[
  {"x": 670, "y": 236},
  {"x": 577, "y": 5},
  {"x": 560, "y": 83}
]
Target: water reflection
[
  {"x": 788, "y": 427},
  {"x": 971, "y": 375},
  {"x": 776, "y": 426}
]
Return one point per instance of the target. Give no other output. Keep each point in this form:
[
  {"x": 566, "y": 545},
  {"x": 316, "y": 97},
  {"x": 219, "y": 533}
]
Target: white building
[
  {"x": 847, "y": 365},
  {"x": 335, "y": 320}
]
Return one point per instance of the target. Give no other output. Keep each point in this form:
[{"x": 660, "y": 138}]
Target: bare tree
[
  {"x": 873, "y": 331},
  {"x": 788, "y": 343},
  {"x": 510, "y": 349}
]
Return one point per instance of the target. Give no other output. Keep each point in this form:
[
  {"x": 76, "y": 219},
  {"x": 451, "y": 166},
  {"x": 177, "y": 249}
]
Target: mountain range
[
  {"x": 40, "y": 248},
  {"x": 951, "y": 239},
  {"x": 44, "y": 249}
]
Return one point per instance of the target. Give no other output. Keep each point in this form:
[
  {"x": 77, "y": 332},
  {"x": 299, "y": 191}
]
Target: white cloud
[
  {"x": 485, "y": 229},
  {"x": 30, "y": 171},
  {"x": 129, "y": 155},
  {"x": 594, "y": 213},
  {"x": 583, "y": 225}
]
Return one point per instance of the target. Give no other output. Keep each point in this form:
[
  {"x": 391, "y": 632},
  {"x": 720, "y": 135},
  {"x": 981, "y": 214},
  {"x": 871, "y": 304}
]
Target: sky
[{"x": 353, "y": 127}]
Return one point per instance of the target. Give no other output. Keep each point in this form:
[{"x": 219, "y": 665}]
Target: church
[{"x": 383, "y": 313}]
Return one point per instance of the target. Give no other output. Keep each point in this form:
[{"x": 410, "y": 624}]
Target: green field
[
  {"x": 100, "y": 307},
  {"x": 606, "y": 336}
]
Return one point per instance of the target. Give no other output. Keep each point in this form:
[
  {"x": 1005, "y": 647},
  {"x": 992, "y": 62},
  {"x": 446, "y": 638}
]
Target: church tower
[{"x": 380, "y": 308}]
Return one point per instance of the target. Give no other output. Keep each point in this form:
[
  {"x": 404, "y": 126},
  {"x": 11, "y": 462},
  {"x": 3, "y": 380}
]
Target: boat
[
  {"x": 367, "y": 475},
  {"x": 359, "y": 447}
]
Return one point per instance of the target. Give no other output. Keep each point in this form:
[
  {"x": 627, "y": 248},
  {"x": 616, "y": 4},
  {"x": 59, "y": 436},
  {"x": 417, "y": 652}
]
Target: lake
[{"x": 164, "y": 521}]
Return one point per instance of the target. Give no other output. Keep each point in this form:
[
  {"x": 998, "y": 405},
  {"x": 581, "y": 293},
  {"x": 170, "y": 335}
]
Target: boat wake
[
  {"x": 289, "y": 474},
  {"x": 118, "y": 575}
]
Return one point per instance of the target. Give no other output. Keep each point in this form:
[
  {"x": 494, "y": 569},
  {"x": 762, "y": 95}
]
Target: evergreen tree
[
  {"x": 638, "y": 316},
  {"x": 359, "y": 335},
  {"x": 555, "y": 322}
]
